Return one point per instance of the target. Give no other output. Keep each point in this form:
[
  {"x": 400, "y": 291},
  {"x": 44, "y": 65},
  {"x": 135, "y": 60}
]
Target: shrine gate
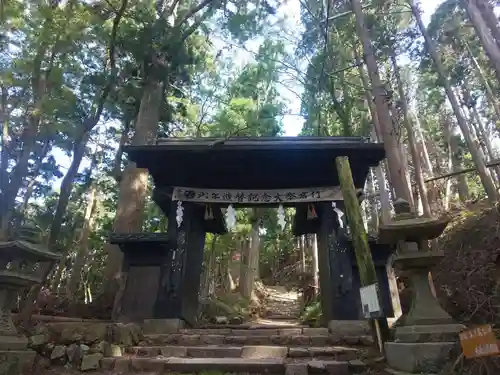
[{"x": 196, "y": 176}]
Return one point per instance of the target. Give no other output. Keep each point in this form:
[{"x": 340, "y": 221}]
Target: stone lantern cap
[
  {"x": 20, "y": 258},
  {"x": 407, "y": 226}
]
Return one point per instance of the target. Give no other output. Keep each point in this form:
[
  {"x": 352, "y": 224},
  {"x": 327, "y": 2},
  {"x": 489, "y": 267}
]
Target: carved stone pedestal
[
  {"x": 22, "y": 265},
  {"x": 428, "y": 334},
  {"x": 15, "y": 358}
]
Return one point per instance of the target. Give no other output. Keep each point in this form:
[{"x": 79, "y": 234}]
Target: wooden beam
[{"x": 491, "y": 164}]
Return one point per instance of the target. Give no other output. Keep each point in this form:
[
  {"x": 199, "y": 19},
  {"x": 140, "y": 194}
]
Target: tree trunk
[
  {"x": 411, "y": 139},
  {"x": 374, "y": 214},
  {"x": 246, "y": 282},
  {"x": 133, "y": 185},
  {"x": 315, "y": 262},
  {"x": 252, "y": 260},
  {"x": 390, "y": 142},
  {"x": 482, "y": 135},
  {"x": 83, "y": 244},
  {"x": 383, "y": 192},
  {"x": 58, "y": 275},
  {"x": 231, "y": 285},
  {"x": 36, "y": 170},
  {"x": 447, "y": 187},
  {"x": 39, "y": 80},
  {"x": 451, "y": 133},
  {"x": 117, "y": 170},
  {"x": 489, "y": 91},
  {"x": 484, "y": 173},
  {"x": 489, "y": 16},
  {"x": 17, "y": 175},
  {"x": 302, "y": 248},
  {"x": 4, "y": 165},
  {"x": 490, "y": 46},
  {"x": 67, "y": 185},
  {"x": 422, "y": 145},
  {"x": 208, "y": 289}
]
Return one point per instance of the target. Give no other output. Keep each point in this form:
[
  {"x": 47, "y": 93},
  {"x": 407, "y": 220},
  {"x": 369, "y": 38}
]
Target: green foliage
[
  {"x": 56, "y": 78},
  {"x": 312, "y": 314}
]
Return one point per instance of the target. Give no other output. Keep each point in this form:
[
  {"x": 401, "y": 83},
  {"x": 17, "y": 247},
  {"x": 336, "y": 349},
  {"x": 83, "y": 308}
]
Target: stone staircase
[{"x": 249, "y": 349}]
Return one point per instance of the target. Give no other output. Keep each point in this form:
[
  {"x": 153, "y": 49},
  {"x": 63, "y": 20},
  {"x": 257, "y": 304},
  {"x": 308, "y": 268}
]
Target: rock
[
  {"x": 94, "y": 333},
  {"x": 337, "y": 367},
  {"x": 46, "y": 350},
  {"x": 41, "y": 329},
  {"x": 135, "y": 333},
  {"x": 296, "y": 369},
  {"x": 221, "y": 320},
  {"x": 367, "y": 340},
  {"x": 107, "y": 364},
  {"x": 38, "y": 341},
  {"x": 236, "y": 320},
  {"x": 114, "y": 351},
  {"x": 127, "y": 334},
  {"x": 122, "y": 365},
  {"x": 298, "y": 352},
  {"x": 70, "y": 335},
  {"x": 58, "y": 352},
  {"x": 73, "y": 353},
  {"x": 42, "y": 363},
  {"x": 315, "y": 331},
  {"x": 91, "y": 362},
  {"x": 84, "y": 348},
  {"x": 317, "y": 366},
  {"x": 357, "y": 364},
  {"x": 100, "y": 347},
  {"x": 259, "y": 352}
]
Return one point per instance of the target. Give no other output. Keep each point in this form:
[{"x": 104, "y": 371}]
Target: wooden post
[
  {"x": 366, "y": 267},
  {"x": 364, "y": 259}
]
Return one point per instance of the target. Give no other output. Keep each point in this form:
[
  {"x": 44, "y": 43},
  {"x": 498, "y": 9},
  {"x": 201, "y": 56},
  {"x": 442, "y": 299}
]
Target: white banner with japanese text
[{"x": 279, "y": 196}]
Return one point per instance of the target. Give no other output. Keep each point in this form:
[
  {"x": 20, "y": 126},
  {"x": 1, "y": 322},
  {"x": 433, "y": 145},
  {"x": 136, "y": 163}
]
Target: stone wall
[{"x": 81, "y": 345}]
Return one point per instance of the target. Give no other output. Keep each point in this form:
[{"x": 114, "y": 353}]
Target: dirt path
[{"x": 282, "y": 305}]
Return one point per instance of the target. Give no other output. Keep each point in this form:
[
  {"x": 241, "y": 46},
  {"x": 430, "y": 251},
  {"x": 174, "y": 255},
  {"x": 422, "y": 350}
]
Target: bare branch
[
  {"x": 197, "y": 22},
  {"x": 191, "y": 12},
  {"x": 493, "y": 163}
]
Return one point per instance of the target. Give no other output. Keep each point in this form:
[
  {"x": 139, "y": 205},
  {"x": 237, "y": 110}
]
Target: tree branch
[
  {"x": 112, "y": 64},
  {"x": 197, "y": 22},
  {"x": 191, "y": 12},
  {"x": 492, "y": 163}
]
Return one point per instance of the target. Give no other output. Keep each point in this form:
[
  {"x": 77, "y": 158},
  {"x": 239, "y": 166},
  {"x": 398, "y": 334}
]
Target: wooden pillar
[
  {"x": 364, "y": 260},
  {"x": 353, "y": 211},
  {"x": 327, "y": 239},
  {"x": 180, "y": 276}
]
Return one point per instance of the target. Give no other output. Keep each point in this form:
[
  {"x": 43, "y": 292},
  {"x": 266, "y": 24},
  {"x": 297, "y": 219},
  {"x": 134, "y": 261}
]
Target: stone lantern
[
  {"x": 22, "y": 264},
  {"x": 426, "y": 334}
]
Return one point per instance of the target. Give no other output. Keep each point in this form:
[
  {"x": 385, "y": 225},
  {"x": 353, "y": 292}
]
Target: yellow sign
[{"x": 479, "y": 342}]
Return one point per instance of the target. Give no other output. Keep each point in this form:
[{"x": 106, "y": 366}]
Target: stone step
[
  {"x": 217, "y": 351},
  {"x": 256, "y": 330},
  {"x": 245, "y": 340},
  {"x": 281, "y": 317},
  {"x": 228, "y": 365},
  {"x": 194, "y": 365},
  {"x": 266, "y": 326}
]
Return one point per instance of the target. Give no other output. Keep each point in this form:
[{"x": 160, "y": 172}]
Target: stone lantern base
[
  {"x": 15, "y": 357},
  {"x": 428, "y": 334},
  {"x": 16, "y": 362}
]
